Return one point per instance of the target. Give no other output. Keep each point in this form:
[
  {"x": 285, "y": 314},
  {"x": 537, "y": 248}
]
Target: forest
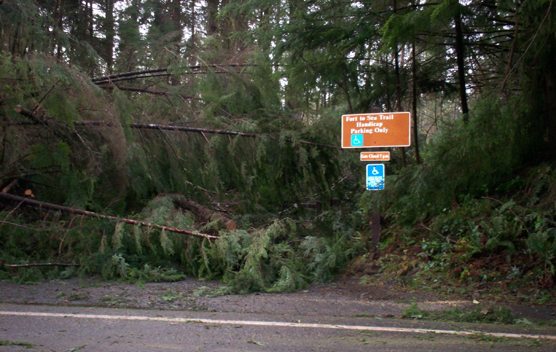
[{"x": 152, "y": 140}]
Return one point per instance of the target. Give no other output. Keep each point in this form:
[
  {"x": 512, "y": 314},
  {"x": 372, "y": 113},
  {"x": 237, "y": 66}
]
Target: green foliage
[
  {"x": 488, "y": 240},
  {"x": 266, "y": 260},
  {"x": 273, "y": 258}
]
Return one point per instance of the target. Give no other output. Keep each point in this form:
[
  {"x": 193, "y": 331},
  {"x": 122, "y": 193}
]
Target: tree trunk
[
  {"x": 414, "y": 105},
  {"x": 203, "y": 212},
  {"x": 398, "y": 87},
  {"x": 212, "y": 13},
  {"x": 460, "y": 57},
  {"x": 110, "y": 35}
]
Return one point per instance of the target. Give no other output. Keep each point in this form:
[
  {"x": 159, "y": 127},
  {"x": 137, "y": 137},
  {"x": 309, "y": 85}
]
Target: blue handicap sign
[
  {"x": 356, "y": 140},
  {"x": 375, "y": 177}
]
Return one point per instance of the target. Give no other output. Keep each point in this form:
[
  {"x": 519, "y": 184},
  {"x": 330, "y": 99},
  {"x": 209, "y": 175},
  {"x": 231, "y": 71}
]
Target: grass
[
  {"x": 171, "y": 296},
  {"x": 114, "y": 300},
  {"x": 502, "y": 315}
]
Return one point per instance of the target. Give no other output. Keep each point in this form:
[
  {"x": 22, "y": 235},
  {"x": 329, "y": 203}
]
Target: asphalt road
[
  {"x": 87, "y": 314},
  {"x": 55, "y": 328}
]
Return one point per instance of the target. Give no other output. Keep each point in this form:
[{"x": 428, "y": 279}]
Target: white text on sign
[{"x": 375, "y": 156}]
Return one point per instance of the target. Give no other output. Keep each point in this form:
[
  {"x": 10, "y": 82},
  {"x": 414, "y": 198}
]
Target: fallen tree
[
  {"x": 101, "y": 216},
  {"x": 38, "y": 120}
]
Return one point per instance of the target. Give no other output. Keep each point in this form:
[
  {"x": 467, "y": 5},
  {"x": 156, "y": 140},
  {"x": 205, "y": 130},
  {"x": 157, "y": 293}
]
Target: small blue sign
[
  {"x": 356, "y": 140},
  {"x": 375, "y": 177}
]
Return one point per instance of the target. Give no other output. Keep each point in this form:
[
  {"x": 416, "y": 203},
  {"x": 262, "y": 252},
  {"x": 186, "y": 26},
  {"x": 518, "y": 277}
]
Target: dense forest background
[{"x": 152, "y": 139}]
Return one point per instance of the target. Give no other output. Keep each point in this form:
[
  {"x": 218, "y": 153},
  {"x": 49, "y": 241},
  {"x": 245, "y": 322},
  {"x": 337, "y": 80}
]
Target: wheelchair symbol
[
  {"x": 375, "y": 171},
  {"x": 357, "y": 140}
]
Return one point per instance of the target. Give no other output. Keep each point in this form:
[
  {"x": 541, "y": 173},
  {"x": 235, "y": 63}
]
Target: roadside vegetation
[{"x": 145, "y": 141}]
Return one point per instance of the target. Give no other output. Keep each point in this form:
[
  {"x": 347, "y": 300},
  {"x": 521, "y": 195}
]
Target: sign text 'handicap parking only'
[{"x": 375, "y": 177}]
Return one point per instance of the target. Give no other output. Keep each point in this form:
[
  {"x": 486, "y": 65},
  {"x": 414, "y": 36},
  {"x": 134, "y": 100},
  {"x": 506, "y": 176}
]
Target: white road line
[{"x": 273, "y": 324}]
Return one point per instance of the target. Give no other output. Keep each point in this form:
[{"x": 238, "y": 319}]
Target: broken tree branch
[
  {"x": 146, "y": 72},
  {"x": 128, "y": 74},
  {"x": 28, "y": 113},
  {"x": 37, "y": 264},
  {"x": 152, "y": 126},
  {"x": 9, "y": 186},
  {"x": 203, "y": 212},
  {"x": 131, "y": 78},
  {"x": 135, "y": 89},
  {"x": 101, "y": 216},
  {"x": 145, "y": 90}
]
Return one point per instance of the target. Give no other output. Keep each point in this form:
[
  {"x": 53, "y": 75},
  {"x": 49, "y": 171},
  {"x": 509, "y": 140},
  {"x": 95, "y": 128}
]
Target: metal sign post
[
  {"x": 375, "y": 177},
  {"x": 375, "y": 182}
]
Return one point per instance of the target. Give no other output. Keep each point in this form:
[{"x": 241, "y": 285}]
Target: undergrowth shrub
[{"x": 490, "y": 240}]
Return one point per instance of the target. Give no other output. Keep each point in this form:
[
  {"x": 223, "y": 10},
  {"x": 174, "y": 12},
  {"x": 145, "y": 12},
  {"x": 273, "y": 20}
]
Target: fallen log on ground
[{"x": 101, "y": 216}]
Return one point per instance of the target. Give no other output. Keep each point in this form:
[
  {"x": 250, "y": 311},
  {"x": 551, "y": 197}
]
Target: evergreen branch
[
  {"x": 101, "y": 216},
  {"x": 501, "y": 86},
  {"x": 22, "y": 226},
  {"x": 46, "y": 94},
  {"x": 41, "y": 121}
]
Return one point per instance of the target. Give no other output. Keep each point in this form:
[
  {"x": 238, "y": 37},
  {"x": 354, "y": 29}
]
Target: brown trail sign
[{"x": 389, "y": 129}]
